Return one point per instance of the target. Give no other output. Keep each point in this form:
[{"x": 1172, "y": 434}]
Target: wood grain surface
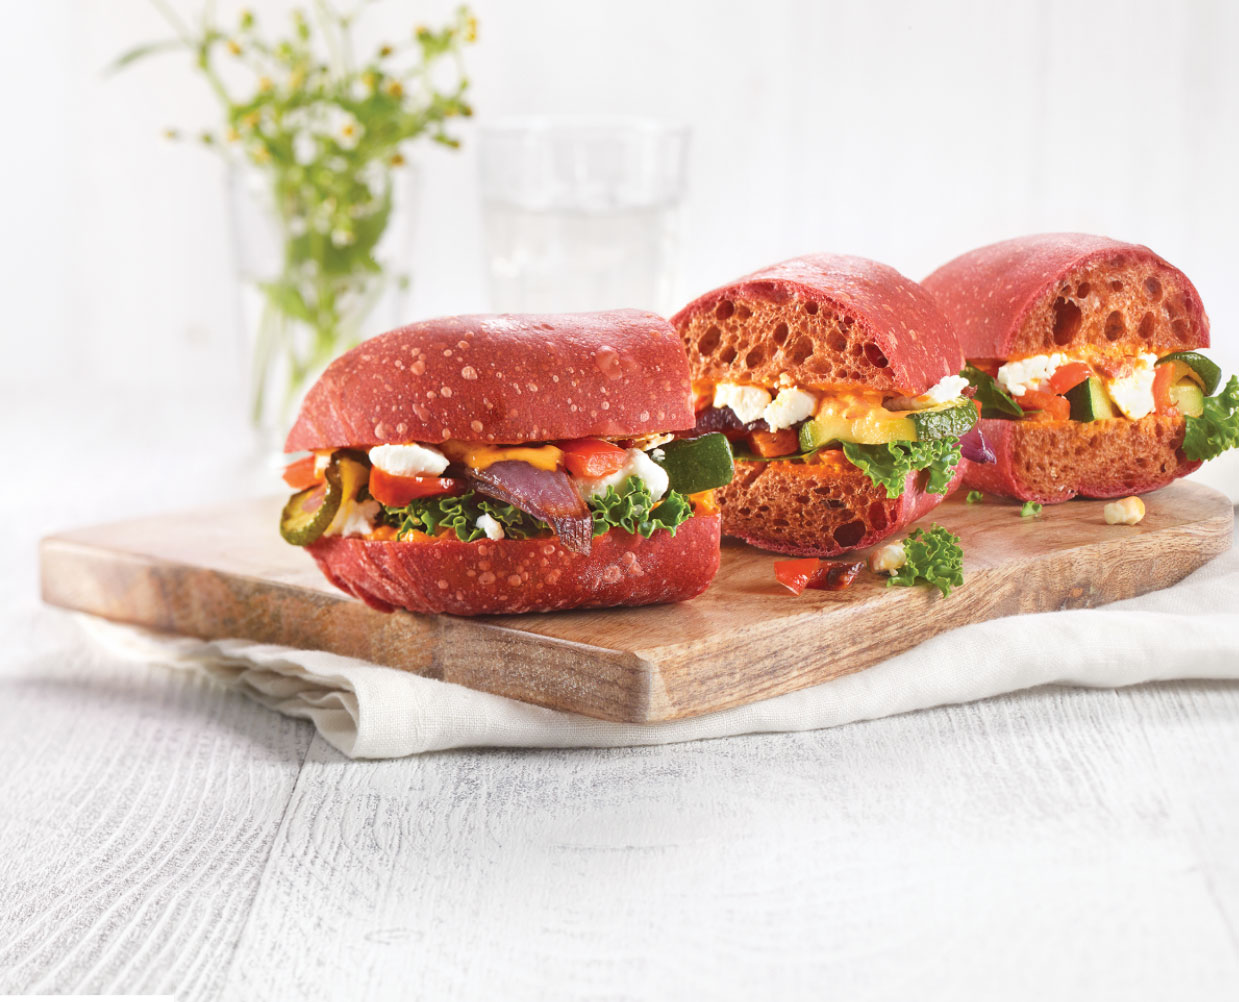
[
  {"x": 160, "y": 836},
  {"x": 224, "y": 572}
]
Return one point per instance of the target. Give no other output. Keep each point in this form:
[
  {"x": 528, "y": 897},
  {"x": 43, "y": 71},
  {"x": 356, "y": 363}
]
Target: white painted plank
[
  {"x": 1062, "y": 842},
  {"x": 137, "y": 809}
]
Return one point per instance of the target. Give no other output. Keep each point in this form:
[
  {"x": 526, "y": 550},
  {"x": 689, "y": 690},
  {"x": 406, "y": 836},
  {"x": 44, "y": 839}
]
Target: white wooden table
[{"x": 158, "y": 835}]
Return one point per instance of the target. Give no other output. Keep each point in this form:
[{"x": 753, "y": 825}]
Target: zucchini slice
[
  {"x": 1089, "y": 401},
  {"x": 877, "y": 427},
  {"x": 946, "y": 421},
  {"x": 1193, "y": 365},
  {"x": 696, "y": 464},
  {"x": 1189, "y": 398}
]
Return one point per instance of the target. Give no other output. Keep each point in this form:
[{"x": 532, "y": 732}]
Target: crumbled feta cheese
[
  {"x": 746, "y": 402},
  {"x": 791, "y": 406},
  {"x": 408, "y": 460},
  {"x": 637, "y": 464},
  {"x": 1129, "y": 511},
  {"x": 1132, "y": 392},
  {"x": 1029, "y": 373},
  {"x": 946, "y": 389},
  {"x": 490, "y": 526},
  {"x": 354, "y": 519}
]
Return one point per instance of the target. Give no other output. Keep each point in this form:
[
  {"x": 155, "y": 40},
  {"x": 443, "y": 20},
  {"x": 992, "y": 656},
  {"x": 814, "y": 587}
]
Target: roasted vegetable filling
[
  {"x": 885, "y": 437},
  {"x": 1101, "y": 387},
  {"x": 574, "y": 490}
]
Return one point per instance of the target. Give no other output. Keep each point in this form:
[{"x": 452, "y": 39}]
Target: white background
[{"x": 904, "y": 131}]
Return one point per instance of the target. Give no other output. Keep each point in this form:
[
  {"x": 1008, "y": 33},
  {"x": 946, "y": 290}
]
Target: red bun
[
  {"x": 1051, "y": 291},
  {"x": 523, "y": 575},
  {"x": 821, "y": 319},
  {"x": 761, "y": 507},
  {"x": 1054, "y": 461},
  {"x": 502, "y": 378}
]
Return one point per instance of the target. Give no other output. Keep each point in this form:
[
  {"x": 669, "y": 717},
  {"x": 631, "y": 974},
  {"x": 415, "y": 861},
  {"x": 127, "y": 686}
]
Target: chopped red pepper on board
[{"x": 811, "y": 572}]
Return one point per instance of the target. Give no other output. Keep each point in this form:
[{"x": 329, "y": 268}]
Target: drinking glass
[{"x": 582, "y": 214}]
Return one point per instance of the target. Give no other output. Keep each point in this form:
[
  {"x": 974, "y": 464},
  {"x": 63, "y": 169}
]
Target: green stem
[{"x": 171, "y": 16}]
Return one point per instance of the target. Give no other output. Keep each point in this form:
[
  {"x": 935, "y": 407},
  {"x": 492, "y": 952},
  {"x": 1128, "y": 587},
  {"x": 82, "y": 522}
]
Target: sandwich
[
  {"x": 504, "y": 464},
  {"x": 836, "y": 380},
  {"x": 1086, "y": 356}
]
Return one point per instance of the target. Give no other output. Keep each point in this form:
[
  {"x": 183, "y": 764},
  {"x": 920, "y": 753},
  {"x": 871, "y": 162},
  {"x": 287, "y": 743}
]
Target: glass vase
[{"x": 300, "y": 302}]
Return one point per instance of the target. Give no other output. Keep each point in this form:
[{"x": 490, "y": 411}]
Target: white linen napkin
[{"x": 368, "y": 711}]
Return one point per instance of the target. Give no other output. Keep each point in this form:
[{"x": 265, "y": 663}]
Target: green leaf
[
  {"x": 460, "y": 514},
  {"x": 888, "y": 465},
  {"x": 632, "y": 508},
  {"x": 1217, "y": 428},
  {"x": 974, "y": 497},
  {"x": 934, "y": 557},
  {"x": 1030, "y": 509},
  {"x": 286, "y": 298},
  {"x": 141, "y": 52},
  {"x": 995, "y": 401}
]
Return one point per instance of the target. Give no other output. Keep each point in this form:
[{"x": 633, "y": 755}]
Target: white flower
[
  {"x": 305, "y": 149},
  {"x": 342, "y": 126}
]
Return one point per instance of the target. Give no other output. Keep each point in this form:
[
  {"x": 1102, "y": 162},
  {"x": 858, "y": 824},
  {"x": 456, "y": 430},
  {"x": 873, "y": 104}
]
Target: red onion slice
[
  {"x": 548, "y": 495},
  {"x": 974, "y": 447}
]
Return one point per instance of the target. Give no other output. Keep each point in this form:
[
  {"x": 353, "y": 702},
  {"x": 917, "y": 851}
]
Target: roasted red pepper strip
[
  {"x": 592, "y": 457},
  {"x": 301, "y": 474},
  {"x": 835, "y": 575},
  {"x": 1051, "y": 404},
  {"x": 1161, "y": 389},
  {"x": 794, "y": 575},
  {"x": 774, "y": 443},
  {"x": 810, "y": 572},
  {"x": 397, "y": 491},
  {"x": 1069, "y": 375}
]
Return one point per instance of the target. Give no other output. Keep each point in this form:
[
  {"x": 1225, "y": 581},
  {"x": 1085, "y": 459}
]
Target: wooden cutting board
[{"x": 225, "y": 572}]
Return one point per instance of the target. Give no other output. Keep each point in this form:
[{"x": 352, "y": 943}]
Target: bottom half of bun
[
  {"x": 523, "y": 575},
  {"x": 819, "y": 509},
  {"x": 1054, "y": 461}
]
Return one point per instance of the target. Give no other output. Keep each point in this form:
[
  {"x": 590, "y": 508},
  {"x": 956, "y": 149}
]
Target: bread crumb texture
[
  {"x": 808, "y": 508},
  {"x": 1104, "y": 458},
  {"x": 823, "y": 320},
  {"x": 1122, "y": 303}
]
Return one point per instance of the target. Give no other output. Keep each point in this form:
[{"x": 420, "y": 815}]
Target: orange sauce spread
[
  {"x": 847, "y": 402},
  {"x": 478, "y": 456}
]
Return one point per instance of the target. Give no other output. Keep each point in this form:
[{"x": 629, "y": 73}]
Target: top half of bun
[
  {"x": 822, "y": 320},
  {"x": 504, "y": 379},
  {"x": 1057, "y": 291}
]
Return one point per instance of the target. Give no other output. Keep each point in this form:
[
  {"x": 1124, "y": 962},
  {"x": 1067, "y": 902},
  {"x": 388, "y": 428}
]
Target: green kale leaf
[
  {"x": 888, "y": 465},
  {"x": 934, "y": 557},
  {"x": 460, "y": 513},
  {"x": 632, "y": 508},
  {"x": 1217, "y": 428}
]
